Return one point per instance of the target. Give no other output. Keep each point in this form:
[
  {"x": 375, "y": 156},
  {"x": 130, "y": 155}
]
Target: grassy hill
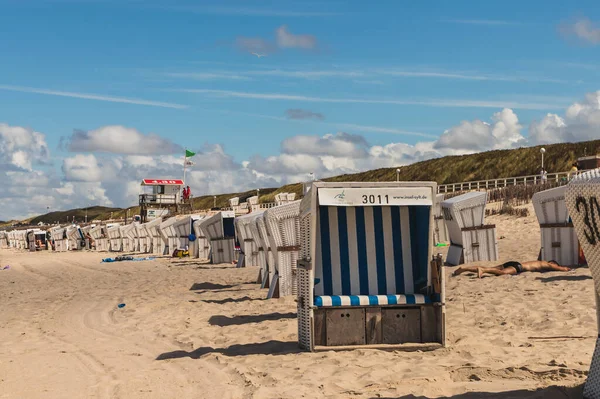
[
  {"x": 451, "y": 169},
  {"x": 94, "y": 212}
]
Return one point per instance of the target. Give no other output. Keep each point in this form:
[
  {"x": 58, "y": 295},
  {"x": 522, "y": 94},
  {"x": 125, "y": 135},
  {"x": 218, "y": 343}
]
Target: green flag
[{"x": 189, "y": 154}]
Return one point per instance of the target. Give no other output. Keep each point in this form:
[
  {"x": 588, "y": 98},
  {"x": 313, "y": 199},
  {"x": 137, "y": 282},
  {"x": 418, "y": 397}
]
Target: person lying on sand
[{"x": 513, "y": 267}]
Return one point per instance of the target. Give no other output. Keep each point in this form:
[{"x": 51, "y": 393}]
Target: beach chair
[
  {"x": 234, "y": 204},
  {"x": 152, "y": 227},
  {"x": 559, "y": 239},
  {"x": 130, "y": 238},
  {"x": 248, "y": 244},
  {"x": 60, "y": 242},
  {"x": 98, "y": 236},
  {"x": 3, "y": 240},
  {"x": 84, "y": 232},
  {"x": 144, "y": 242},
  {"x": 177, "y": 230},
  {"x": 266, "y": 243},
  {"x": 219, "y": 229},
  {"x": 582, "y": 199},
  {"x": 470, "y": 239},
  {"x": 261, "y": 247},
  {"x": 76, "y": 239},
  {"x": 366, "y": 276},
  {"x": 252, "y": 203},
  {"x": 201, "y": 246},
  {"x": 440, "y": 231},
  {"x": 114, "y": 235},
  {"x": 283, "y": 225}
]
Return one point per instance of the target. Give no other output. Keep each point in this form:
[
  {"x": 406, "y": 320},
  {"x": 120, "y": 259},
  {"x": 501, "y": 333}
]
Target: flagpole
[{"x": 184, "y": 165}]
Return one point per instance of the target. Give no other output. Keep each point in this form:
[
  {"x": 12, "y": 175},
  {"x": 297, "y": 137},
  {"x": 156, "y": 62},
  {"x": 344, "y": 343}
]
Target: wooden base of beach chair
[
  {"x": 378, "y": 326},
  {"x": 396, "y": 347}
]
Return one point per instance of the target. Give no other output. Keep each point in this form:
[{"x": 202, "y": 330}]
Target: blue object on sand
[{"x": 121, "y": 305}]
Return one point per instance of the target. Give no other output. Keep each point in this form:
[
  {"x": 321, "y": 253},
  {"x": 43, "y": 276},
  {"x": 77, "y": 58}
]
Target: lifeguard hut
[{"x": 161, "y": 197}]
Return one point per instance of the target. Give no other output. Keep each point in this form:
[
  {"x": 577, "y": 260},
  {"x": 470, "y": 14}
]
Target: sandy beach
[{"x": 193, "y": 330}]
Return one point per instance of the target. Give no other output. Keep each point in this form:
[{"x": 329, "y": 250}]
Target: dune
[{"x": 194, "y": 330}]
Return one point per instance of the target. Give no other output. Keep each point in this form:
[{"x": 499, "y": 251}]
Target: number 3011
[{"x": 375, "y": 199}]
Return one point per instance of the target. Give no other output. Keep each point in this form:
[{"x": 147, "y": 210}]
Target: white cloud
[
  {"x": 97, "y": 97},
  {"x": 21, "y": 147},
  {"x": 443, "y": 103},
  {"x": 254, "y": 44},
  {"x": 581, "y": 122},
  {"x": 120, "y": 140},
  {"x": 584, "y": 30},
  {"x": 286, "y": 39},
  {"x": 477, "y": 135},
  {"x": 338, "y": 145},
  {"x": 83, "y": 168}
]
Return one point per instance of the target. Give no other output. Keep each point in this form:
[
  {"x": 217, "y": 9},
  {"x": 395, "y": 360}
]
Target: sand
[{"x": 193, "y": 330}]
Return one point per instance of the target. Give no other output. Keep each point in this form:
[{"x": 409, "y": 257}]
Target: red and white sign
[{"x": 162, "y": 182}]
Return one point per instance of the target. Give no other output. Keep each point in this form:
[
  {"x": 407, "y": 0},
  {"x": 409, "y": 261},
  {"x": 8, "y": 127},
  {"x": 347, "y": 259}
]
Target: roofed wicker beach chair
[
  {"x": 366, "y": 275},
  {"x": 440, "y": 231},
  {"x": 114, "y": 235},
  {"x": 156, "y": 240},
  {"x": 559, "y": 239},
  {"x": 200, "y": 248},
  {"x": 220, "y": 230},
  {"x": 582, "y": 198},
  {"x": 144, "y": 241},
  {"x": 261, "y": 248},
  {"x": 248, "y": 245},
  {"x": 470, "y": 239},
  {"x": 283, "y": 225}
]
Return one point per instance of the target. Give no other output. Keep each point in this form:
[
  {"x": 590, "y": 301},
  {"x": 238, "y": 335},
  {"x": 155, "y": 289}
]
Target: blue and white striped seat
[
  {"x": 372, "y": 255},
  {"x": 327, "y": 301}
]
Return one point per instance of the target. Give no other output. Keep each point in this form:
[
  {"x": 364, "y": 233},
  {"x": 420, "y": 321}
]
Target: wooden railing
[{"x": 505, "y": 182}]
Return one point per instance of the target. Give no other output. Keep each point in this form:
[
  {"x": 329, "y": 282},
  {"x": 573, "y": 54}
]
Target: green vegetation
[
  {"x": 94, "y": 212},
  {"x": 446, "y": 170}
]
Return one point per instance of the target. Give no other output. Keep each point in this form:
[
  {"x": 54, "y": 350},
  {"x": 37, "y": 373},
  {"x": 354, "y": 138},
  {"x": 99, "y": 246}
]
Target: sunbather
[{"x": 514, "y": 268}]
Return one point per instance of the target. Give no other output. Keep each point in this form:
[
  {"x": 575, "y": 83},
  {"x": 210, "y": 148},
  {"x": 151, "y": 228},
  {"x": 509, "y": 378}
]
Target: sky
[{"x": 96, "y": 95}]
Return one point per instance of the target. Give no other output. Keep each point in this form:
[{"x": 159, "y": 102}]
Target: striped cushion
[
  {"x": 370, "y": 300},
  {"x": 375, "y": 250}
]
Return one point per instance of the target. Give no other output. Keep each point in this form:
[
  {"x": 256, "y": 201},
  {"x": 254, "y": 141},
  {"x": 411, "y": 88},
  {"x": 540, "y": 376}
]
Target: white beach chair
[
  {"x": 152, "y": 227},
  {"x": 99, "y": 236},
  {"x": 262, "y": 247},
  {"x": 248, "y": 245},
  {"x": 201, "y": 246},
  {"x": 583, "y": 204},
  {"x": 366, "y": 274},
  {"x": 144, "y": 242},
  {"x": 130, "y": 238},
  {"x": 76, "y": 239},
  {"x": 252, "y": 203},
  {"x": 114, "y": 235},
  {"x": 283, "y": 225},
  {"x": 3, "y": 240},
  {"x": 60, "y": 240},
  {"x": 440, "y": 231},
  {"x": 219, "y": 229},
  {"x": 270, "y": 255},
  {"x": 559, "y": 239},
  {"x": 470, "y": 239}
]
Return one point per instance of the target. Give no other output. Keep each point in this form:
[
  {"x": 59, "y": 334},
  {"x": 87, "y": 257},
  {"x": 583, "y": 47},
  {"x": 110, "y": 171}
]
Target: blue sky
[{"x": 391, "y": 72}]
